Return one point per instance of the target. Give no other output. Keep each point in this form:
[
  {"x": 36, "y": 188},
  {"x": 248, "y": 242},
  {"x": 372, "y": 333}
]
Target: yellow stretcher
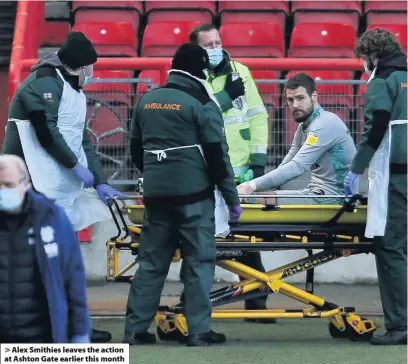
[{"x": 335, "y": 230}]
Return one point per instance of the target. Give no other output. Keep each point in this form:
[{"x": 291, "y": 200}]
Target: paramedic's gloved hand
[
  {"x": 257, "y": 170},
  {"x": 80, "y": 339},
  {"x": 235, "y": 212},
  {"x": 234, "y": 88},
  {"x": 107, "y": 193},
  {"x": 350, "y": 184},
  {"x": 84, "y": 175}
]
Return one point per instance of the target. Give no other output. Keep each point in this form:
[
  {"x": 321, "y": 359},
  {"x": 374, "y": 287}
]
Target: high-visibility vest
[{"x": 246, "y": 123}]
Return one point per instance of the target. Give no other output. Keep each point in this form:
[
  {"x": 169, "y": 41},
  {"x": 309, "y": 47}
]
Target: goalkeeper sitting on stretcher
[{"x": 321, "y": 143}]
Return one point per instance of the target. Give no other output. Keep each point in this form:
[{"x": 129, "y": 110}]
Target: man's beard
[{"x": 303, "y": 116}]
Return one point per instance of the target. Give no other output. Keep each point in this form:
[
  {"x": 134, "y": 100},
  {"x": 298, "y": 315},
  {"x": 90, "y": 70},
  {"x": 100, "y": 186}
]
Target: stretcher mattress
[{"x": 285, "y": 214}]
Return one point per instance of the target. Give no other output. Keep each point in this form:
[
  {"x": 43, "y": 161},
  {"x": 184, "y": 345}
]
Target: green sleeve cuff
[
  {"x": 224, "y": 100},
  {"x": 362, "y": 159},
  {"x": 258, "y": 159},
  {"x": 232, "y": 200}
]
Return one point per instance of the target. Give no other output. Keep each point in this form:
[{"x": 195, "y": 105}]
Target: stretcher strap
[{"x": 348, "y": 206}]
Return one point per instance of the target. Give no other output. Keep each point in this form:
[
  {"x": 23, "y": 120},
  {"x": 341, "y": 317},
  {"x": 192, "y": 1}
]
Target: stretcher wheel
[
  {"x": 174, "y": 335},
  {"x": 350, "y": 333},
  {"x": 335, "y": 333}
]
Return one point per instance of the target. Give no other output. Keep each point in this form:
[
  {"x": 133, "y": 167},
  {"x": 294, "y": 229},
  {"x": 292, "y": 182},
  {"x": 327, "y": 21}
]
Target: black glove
[
  {"x": 258, "y": 171},
  {"x": 234, "y": 88}
]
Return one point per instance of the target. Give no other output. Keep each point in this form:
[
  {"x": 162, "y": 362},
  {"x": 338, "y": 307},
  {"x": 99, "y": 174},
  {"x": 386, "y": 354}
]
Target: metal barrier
[{"x": 110, "y": 105}]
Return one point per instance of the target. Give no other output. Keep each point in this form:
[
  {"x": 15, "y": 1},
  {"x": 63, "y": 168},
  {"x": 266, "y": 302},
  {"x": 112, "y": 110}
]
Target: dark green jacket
[
  {"x": 386, "y": 100},
  {"x": 170, "y": 118},
  {"x": 37, "y": 99}
]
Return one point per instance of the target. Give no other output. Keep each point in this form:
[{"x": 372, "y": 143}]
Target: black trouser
[
  {"x": 253, "y": 260},
  {"x": 162, "y": 231},
  {"x": 391, "y": 255}
]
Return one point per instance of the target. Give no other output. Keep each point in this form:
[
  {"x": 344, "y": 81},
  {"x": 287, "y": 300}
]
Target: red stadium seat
[
  {"x": 270, "y": 95},
  {"x": 348, "y": 12},
  {"x": 253, "y": 39},
  {"x": 119, "y": 4},
  {"x": 111, "y": 38},
  {"x": 109, "y": 11},
  {"x": 385, "y": 12},
  {"x": 172, "y": 35},
  {"x": 143, "y": 87},
  {"x": 359, "y": 103},
  {"x": 399, "y": 31},
  {"x": 254, "y": 11},
  {"x": 322, "y": 40},
  {"x": 202, "y": 11},
  {"x": 54, "y": 33},
  {"x": 268, "y": 90},
  {"x": 336, "y": 98}
]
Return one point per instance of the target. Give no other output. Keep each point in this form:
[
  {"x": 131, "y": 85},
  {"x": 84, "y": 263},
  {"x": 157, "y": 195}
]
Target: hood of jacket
[
  {"x": 50, "y": 60},
  {"x": 186, "y": 79},
  {"x": 394, "y": 62}
]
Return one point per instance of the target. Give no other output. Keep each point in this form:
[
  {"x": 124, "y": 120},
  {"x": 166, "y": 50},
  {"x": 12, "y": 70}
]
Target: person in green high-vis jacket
[
  {"x": 383, "y": 150},
  {"x": 178, "y": 143},
  {"x": 246, "y": 125}
]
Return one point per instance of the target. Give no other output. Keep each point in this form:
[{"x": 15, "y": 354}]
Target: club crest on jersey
[{"x": 238, "y": 103}]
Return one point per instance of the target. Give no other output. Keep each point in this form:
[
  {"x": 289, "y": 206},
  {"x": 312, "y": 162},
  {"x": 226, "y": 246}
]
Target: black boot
[
  {"x": 258, "y": 304},
  {"x": 99, "y": 336},
  {"x": 391, "y": 337},
  {"x": 205, "y": 339},
  {"x": 144, "y": 338}
]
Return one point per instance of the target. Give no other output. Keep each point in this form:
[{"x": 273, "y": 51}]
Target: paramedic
[
  {"x": 183, "y": 154},
  {"x": 46, "y": 127},
  {"x": 245, "y": 120},
  {"x": 383, "y": 150},
  {"x": 322, "y": 143},
  {"x": 42, "y": 287}
]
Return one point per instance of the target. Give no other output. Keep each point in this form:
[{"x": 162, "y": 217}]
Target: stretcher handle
[
  {"x": 277, "y": 195},
  {"x": 124, "y": 228},
  {"x": 348, "y": 206}
]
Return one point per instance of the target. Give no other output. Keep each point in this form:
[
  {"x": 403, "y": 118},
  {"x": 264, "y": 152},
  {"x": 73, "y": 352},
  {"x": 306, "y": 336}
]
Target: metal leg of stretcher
[
  {"x": 310, "y": 276},
  {"x": 343, "y": 322}
]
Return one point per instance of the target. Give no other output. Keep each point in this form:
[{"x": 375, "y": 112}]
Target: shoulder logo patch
[
  {"x": 312, "y": 138},
  {"x": 48, "y": 96}
]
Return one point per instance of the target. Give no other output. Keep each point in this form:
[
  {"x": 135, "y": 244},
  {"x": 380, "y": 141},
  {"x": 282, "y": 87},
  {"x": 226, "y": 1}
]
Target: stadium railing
[{"x": 28, "y": 28}]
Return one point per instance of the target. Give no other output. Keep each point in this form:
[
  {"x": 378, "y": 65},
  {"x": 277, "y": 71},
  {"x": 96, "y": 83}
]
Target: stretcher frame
[{"x": 337, "y": 237}]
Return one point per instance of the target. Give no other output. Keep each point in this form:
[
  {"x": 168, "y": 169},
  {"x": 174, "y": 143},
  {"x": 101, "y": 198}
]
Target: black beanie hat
[
  {"x": 77, "y": 51},
  {"x": 191, "y": 58}
]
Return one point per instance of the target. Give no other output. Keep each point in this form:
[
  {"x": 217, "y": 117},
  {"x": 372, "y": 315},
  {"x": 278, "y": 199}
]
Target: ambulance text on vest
[{"x": 158, "y": 105}]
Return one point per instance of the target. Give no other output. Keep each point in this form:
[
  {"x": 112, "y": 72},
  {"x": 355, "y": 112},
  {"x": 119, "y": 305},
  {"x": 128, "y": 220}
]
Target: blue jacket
[{"x": 62, "y": 269}]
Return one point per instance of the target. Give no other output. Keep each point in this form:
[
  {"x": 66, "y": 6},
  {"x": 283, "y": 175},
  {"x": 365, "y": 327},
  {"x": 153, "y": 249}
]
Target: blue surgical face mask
[
  {"x": 11, "y": 199},
  {"x": 215, "y": 56}
]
